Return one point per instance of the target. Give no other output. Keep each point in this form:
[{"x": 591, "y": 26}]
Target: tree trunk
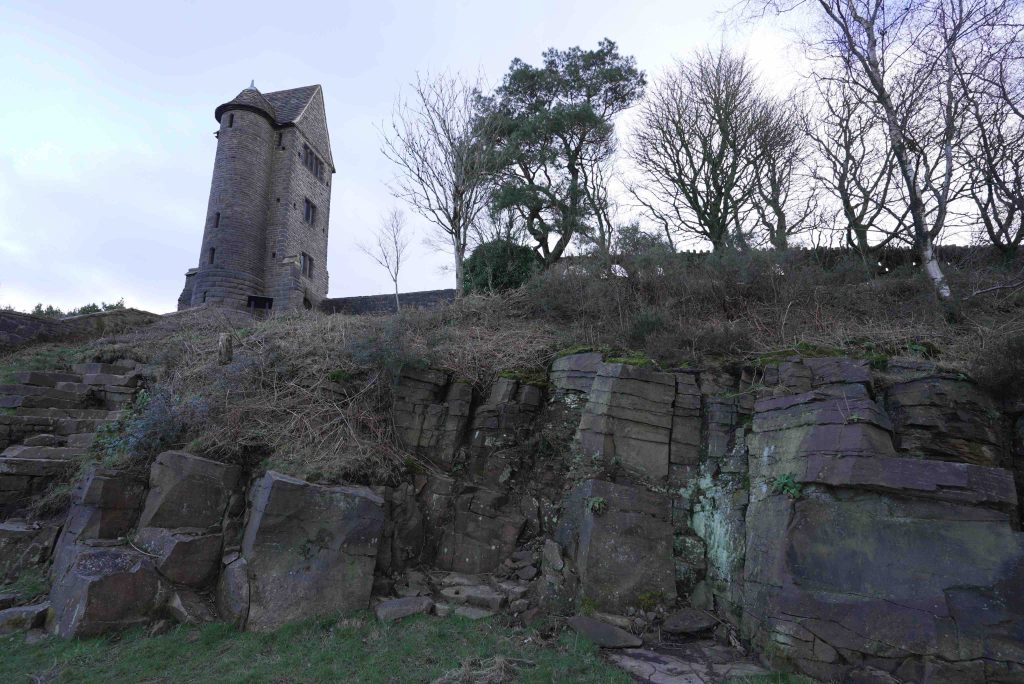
[
  {"x": 458, "y": 274},
  {"x": 398, "y": 304}
]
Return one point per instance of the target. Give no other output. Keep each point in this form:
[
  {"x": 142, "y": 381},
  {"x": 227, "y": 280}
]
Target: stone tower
[{"x": 265, "y": 239}]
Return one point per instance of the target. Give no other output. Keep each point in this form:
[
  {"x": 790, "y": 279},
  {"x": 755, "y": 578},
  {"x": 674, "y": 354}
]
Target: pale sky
[{"x": 107, "y": 144}]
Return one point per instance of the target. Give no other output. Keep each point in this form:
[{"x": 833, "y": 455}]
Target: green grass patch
[
  {"x": 41, "y": 357},
  {"x": 357, "y": 649},
  {"x": 536, "y": 377},
  {"x": 30, "y": 584},
  {"x": 772, "y": 678},
  {"x": 632, "y": 359}
]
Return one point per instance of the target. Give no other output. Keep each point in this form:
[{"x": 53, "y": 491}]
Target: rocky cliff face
[{"x": 850, "y": 524}]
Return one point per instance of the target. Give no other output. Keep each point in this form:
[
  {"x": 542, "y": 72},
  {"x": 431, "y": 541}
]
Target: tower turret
[{"x": 265, "y": 237}]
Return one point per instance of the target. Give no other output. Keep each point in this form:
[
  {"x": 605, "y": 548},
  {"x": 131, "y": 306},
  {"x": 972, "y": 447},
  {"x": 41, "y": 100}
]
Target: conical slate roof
[{"x": 250, "y": 98}]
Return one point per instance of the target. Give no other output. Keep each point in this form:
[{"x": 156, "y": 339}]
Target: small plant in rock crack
[
  {"x": 648, "y": 600},
  {"x": 587, "y": 606},
  {"x": 785, "y": 484},
  {"x": 597, "y": 505}
]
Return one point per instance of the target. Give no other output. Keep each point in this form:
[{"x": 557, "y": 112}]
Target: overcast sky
[{"x": 107, "y": 124}]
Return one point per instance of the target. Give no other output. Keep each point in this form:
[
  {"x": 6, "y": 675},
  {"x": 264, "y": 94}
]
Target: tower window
[
  {"x": 216, "y": 220},
  {"x": 312, "y": 162},
  {"x": 213, "y": 253},
  {"x": 307, "y": 265},
  {"x": 309, "y": 213},
  {"x": 231, "y": 120}
]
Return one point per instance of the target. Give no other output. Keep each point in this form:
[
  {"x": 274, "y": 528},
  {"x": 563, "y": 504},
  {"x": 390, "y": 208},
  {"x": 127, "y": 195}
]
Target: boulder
[
  {"x": 103, "y": 590},
  {"x": 23, "y": 618},
  {"x": 689, "y": 621},
  {"x": 24, "y": 545},
  {"x": 309, "y": 549},
  {"x": 606, "y": 529},
  {"x": 396, "y": 609},
  {"x": 189, "y": 608},
  {"x": 603, "y": 634},
  {"x": 481, "y": 596},
  {"x": 233, "y": 591},
  {"x": 186, "y": 559},
  {"x": 188, "y": 491},
  {"x": 104, "y": 506}
]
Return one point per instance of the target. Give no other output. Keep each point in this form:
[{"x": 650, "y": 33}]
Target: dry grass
[{"x": 310, "y": 394}]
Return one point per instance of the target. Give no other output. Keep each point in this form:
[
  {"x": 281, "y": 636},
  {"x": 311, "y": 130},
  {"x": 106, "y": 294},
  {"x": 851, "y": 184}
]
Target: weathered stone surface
[
  {"x": 396, "y": 609},
  {"x": 431, "y": 413},
  {"x": 602, "y": 633},
  {"x": 24, "y": 545},
  {"x": 233, "y": 591},
  {"x": 480, "y": 595},
  {"x": 182, "y": 558},
  {"x": 694, "y": 664},
  {"x": 102, "y": 590},
  {"x": 23, "y": 618},
  {"x": 689, "y": 621},
  {"x": 628, "y": 419},
  {"x": 484, "y": 532},
  {"x": 104, "y": 506},
  {"x": 944, "y": 418},
  {"x": 878, "y": 559},
  {"x": 404, "y": 535},
  {"x": 575, "y": 372},
  {"x": 187, "y": 491},
  {"x": 838, "y": 371},
  {"x": 605, "y": 528},
  {"x": 309, "y": 549},
  {"x": 958, "y": 482},
  {"x": 189, "y": 608},
  {"x": 685, "y": 443},
  {"x": 499, "y": 430}
]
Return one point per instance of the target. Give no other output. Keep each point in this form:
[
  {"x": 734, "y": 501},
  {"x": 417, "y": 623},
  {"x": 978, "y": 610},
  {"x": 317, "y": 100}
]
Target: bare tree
[
  {"x": 856, "y": 167},
  {"x": 784, "y": 198},
  {"x": 390, "y": 245},
  {"x": 992, "y": 82},
  {"x": 902, "y": 54},
  {"x": 692, "y": 148},
  {"x": 435, "y": 140}
]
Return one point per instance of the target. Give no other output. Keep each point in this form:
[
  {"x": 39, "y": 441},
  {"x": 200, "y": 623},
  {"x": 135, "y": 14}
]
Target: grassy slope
[{"x": 359, "y": 649}]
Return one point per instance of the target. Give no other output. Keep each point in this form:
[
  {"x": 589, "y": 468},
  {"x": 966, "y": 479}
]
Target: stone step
[
  {"x": 73, "y": 426},
  {"x": 14, "y": 401},
  {"x": 33, "y": 467},
  {"x": 34, "y": 391},
  {"x": 83, "y": 440},
  {"x": 53, "y": 453},
  {"x": 110, "y": 379},
  {"x": 43, "y": 440},
  {"x": 109, "y": 368},
  {"x": 45, "y": 378}
]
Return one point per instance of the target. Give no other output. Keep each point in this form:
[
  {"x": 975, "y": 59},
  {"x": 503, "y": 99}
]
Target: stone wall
[
  {"x": 385, "y": 304},
  {"x": 18, "y": 329}
]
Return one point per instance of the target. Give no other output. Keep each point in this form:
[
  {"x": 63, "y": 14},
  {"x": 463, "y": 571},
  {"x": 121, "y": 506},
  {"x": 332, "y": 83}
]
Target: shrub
[
  {"x": 497, "y": 266},
  {"x": 999, "y": 367}
]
